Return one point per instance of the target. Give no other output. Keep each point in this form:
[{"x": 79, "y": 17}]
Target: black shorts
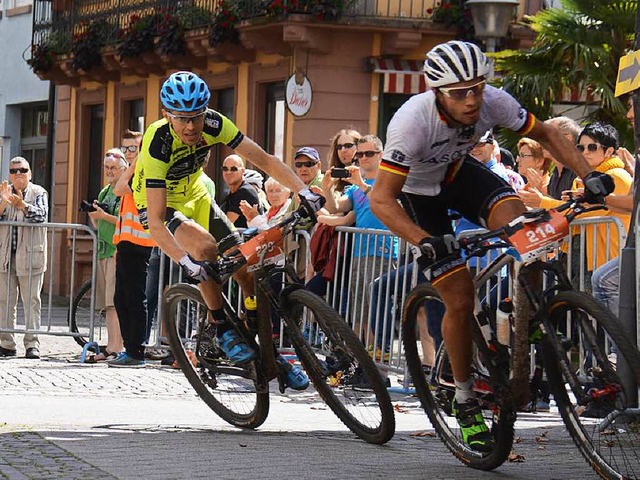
[{"x": 473, "y": 192}]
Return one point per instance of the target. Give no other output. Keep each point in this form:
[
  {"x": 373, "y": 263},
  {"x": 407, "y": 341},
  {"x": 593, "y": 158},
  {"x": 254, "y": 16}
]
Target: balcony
[{"x": 101, "y": 40}]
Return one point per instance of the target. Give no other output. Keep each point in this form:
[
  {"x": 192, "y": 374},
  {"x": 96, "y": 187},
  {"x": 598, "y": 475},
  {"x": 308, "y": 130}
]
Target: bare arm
[
  {"x": 122, "y": 185},
  {"x": 271, "y": 164},
  {"x": 384, "y": 205},
  {"x": 561, "y": 148},
  {"x": 156, "y": 211},
  {"x": 232, "y": 216},
  {"x": 338, "y": 220}
]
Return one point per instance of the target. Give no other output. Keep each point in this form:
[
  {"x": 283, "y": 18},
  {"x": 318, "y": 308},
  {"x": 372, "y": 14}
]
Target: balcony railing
[{"x": 57, "y": 21}]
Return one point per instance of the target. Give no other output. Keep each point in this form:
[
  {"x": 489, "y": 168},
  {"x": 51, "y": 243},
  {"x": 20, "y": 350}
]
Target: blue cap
[{"x": 310, "y": 152}]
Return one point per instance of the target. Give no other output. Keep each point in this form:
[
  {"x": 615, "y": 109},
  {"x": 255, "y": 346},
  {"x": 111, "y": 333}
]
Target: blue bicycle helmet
[{"x": 184, "y": 92}]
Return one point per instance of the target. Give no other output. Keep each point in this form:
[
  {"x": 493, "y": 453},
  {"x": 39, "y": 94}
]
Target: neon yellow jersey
[{"x": 166, "y": 162}]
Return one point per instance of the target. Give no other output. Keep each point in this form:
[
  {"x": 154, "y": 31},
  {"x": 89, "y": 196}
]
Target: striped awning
[{"x": 401, "y": 76}]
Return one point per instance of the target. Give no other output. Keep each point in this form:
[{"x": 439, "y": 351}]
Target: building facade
[
  {"x": 362, "y": 59},
  {"x": 24, "y": 118}
]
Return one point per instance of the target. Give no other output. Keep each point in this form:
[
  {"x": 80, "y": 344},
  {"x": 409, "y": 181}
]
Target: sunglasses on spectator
[
  {"x": 340, "y": 146},
  {"x": 460, "y": 93},
  {"x": 229, "y": 169},
  {"x": 308, "y": 164},
  {"x": 368, "y": 153},
  {"x": 18, "y": 170},
  {"x": 592, "y": 147},
  {"x": 184, "y": 119},
  {"x": 130, "y": 148}
]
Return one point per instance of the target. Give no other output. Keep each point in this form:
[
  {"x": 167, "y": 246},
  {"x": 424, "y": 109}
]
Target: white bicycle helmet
[{"x": 454, "y": 62}]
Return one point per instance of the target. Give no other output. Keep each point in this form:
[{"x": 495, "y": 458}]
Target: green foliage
[
  {"x": 454, "y": 14},
  {"x": 87, "y": 44},
  {"x": 576, "y": 47}
]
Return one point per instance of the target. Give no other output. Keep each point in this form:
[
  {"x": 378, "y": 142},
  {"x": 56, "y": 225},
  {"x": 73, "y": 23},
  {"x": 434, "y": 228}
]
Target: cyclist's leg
[{"x": 201, "y": 245}]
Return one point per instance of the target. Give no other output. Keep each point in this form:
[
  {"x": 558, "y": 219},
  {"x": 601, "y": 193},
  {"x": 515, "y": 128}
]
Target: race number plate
[
  {"x": 536, "y": 238},
  {"x": 263, "y": 249}
]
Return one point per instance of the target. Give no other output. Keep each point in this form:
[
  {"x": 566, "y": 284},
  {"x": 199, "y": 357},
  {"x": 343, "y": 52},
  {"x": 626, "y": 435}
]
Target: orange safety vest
[{"x": 128, "y": 226}]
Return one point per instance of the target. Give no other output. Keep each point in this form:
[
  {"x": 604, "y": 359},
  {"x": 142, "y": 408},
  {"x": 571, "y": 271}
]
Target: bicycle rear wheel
[
  {"x": 585, "y": 384},
  {"x": 81, "y": 315},
  {"x": 239, "y": 394},
  {"x": 436, "y": 393},
  {"x": 339, "y": 367}
]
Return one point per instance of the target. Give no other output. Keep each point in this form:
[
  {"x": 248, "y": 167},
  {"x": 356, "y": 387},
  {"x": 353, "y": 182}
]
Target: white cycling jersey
[{"x": 421, "y": 146}]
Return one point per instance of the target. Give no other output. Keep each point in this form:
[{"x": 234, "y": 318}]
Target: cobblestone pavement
[{"x": 63, "y": 420}]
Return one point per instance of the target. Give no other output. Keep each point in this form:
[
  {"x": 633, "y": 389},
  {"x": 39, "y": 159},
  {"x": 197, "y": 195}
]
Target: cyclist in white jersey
[{"x": 426, "y": 163}]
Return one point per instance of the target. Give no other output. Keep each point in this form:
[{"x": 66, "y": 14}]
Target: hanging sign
[{"x": 298, "y": 94}]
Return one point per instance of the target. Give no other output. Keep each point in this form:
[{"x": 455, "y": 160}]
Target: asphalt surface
[{"x": 60, "y": 419}]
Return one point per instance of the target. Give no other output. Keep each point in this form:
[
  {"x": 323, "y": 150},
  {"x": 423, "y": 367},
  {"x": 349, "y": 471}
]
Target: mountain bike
[
  {"x": 577, "y": 336},
  {"x": 336, "y": 361},
  {"x": 81, "y": 316}
]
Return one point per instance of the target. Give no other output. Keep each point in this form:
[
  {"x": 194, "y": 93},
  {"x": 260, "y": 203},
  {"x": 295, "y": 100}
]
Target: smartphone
[{"x": 340, "y": 173}]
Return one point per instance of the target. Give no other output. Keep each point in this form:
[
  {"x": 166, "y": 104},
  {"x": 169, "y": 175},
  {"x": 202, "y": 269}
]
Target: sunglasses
[
  {"x": 129, "y": 148},
  {"x": 18, "y": 170},
  {"x": 184, "y": 120},
  {"x": 368, "y": 153},
  {"x": 460, "y": 93},
  {"x": 340, "y": 146},
  {"x": 592, "y": 147},
  {"x": 229, "y": 169},
  {"x": 305, "y": 164}
]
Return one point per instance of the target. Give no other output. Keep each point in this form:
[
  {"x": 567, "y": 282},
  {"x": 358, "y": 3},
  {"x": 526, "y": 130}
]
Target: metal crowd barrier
[
  {"x": 55, "y": 311},
  {"x": 393, "y": 277}
]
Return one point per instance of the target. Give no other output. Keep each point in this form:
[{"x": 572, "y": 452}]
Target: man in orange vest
[{"x": 134, "y": 245}]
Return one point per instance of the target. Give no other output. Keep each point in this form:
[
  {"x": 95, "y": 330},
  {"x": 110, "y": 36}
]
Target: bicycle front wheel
[
  {"x": 437, "y": 391},
  {"x": 582, "y": 352},
  {"x": 81, "y": 316},
  {"x": 339, "y": 367},
  {"x": 239, "y": 394}
]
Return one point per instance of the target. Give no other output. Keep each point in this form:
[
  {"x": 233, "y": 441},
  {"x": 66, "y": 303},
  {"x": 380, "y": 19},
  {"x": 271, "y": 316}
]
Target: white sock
[{"x": 464, "y": 391}]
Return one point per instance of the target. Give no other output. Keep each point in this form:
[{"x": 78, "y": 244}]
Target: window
[
  {"x": 275, "y": 118},
  {"x": 134, "y": 115},
  {"x": 96, "y": 154},
  {"x": 33, "y": 142}
]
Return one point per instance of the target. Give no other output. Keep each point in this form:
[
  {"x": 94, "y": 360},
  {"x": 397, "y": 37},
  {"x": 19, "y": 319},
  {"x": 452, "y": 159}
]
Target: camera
[
  {"x": 88, "y": 206},
  {"x": 340, "y": 173}
]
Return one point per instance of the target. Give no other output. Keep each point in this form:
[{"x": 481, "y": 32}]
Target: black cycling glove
[
  {"x": 436, "y": 249},
  {"x": 598, "y": 185}
]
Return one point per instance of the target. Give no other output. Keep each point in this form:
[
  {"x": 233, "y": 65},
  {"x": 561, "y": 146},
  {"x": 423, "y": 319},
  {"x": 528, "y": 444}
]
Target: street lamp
[{"x": 491, "y": 19}]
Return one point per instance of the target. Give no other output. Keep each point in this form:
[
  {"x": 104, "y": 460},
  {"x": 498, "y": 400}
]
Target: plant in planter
[
  {"x": 87, "y": 44},
  {"x": 456, "y": 14},
  {"x": 193, "y": 16},
  {"x": 139, "y": 36},
  {"x": 45, "y": 54},
  {"x": 280, "y": 8},
  {"x": 170, "y": 40},
  {"x": 328, "y": 9},
  {"x": 226, "y": 16}
]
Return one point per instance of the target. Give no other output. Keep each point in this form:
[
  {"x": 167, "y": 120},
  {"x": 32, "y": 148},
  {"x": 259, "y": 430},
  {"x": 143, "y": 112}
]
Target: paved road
[{"x": 63, "y": 420}]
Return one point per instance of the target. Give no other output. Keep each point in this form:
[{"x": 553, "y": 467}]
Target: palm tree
[{"x": 578, "y": 46}]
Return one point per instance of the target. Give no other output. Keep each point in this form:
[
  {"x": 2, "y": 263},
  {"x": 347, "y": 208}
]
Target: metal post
[{"x": 628, "y": 286}]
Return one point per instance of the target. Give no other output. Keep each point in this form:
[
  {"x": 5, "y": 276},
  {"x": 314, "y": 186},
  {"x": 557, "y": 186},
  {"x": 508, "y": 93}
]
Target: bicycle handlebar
[{"x": 478, "y": 245}]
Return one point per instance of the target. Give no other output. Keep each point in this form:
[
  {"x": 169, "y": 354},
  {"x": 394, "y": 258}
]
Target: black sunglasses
[
  {"x": 340, "y": 146},
  {"x": 131, "y": 148},
  {"x": 305, "y": 164},
  {"x": 368, "y": 153},
  {"x": 229, "y": 169},
  {"x": 592, "y": 147},
  {"x": 18, "y": 170}
]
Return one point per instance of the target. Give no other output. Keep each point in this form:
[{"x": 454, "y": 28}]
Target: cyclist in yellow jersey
[{"x": 173, "y": 203}]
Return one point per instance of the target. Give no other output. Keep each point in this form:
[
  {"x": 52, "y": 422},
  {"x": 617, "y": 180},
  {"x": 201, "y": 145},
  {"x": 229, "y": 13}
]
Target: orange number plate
[
  {"x": 536, "y": 238},
  {"x": 267, "y": 243}
]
